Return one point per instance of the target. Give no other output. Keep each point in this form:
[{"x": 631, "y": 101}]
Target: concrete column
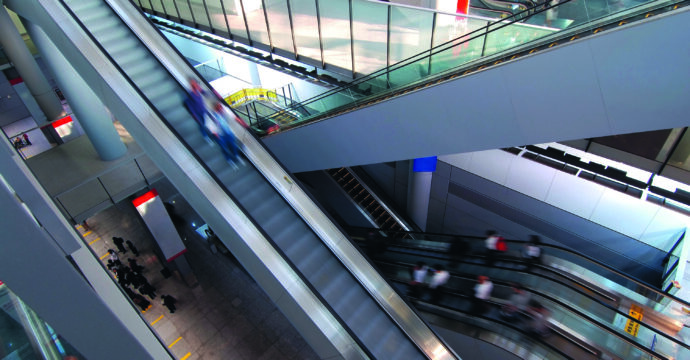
[
  {"x": 24, "y": 62},
  {"x": 419, "y": 190},
  {"x": 254, "y": 73},
  {"x": 93, "y": 116}
]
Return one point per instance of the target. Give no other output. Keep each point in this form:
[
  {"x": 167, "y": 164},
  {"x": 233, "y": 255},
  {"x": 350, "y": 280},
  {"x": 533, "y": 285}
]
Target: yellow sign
[
  {"x": 632, "y": 327},
  {"x": 246, "y": 95}
]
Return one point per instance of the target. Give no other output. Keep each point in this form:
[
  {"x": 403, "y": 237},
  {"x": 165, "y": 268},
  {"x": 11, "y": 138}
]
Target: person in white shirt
[
  {"x": 532, "y": 252},
  {"x": 438, "y": 280},
  {"x": 419, "y": 273},
  {"x": 492, "y": 239},
  {"x": 482, "y": 293}
]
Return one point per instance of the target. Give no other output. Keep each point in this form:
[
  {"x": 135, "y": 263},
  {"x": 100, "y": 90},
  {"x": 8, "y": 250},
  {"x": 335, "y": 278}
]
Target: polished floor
[{"x": 224, "y": 314}]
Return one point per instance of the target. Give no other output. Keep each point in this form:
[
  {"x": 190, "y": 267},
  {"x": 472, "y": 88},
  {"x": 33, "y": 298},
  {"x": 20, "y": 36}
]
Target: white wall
[{"x": 636, "y": 218}]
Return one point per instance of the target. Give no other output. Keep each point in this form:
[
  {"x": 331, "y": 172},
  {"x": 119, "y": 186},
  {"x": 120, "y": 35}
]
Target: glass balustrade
[
  {"x": 398, "y": 46},
  {"x": 26, "y": 336}
]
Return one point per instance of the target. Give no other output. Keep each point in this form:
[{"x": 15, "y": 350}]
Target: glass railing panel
[
  {"x": 216, "y": 15},
  {"x": 457, "y": 55},
  {"x": 373, "y": 85},
  {"x": 411, "y": 72},
  {"x": 183, "y": 9},
  {"x": 370, "y": 34},
  {"x": 306, "y": 28},
  {"x": 506, "y": 36},
  {"x": 341, "y": 98},
  {"x": 233, "y": 13},
  {"x": 411, "y": 32},
  {"x": 199, "y": 12},
  {"x": 335, "y": 33},
  {"x": 256, "y": 21},
  {"x": 146, "y": 4},
  {"x": 279, "y": 24},
  {"x": 163, "y": 6}
]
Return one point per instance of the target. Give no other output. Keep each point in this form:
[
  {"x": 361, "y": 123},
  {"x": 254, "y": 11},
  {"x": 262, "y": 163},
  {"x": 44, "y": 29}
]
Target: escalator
[
  {"x": 301, "y": 259},
  {"x": 598, "y": 310},
  {"x": 593, "y": 299},
  {"x": 417, "y": 72},
  {"x": 535, "y": 94}
]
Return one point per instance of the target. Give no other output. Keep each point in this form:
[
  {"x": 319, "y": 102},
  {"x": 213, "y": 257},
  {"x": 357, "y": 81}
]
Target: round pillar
[
  {"x": 28, "y": 69},
  {"x": 92, "y": 114}
]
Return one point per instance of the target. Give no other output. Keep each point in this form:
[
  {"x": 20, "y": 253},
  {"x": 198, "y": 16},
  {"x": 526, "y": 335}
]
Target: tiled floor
[{"x": 225, "y": 316}]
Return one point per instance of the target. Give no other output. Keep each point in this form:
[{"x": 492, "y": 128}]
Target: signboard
[{"x": 632, "y": 327}]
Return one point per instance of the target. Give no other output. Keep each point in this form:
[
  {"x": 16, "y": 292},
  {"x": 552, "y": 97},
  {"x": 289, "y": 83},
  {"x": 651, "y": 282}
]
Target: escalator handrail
[
  {"x": 490, "y": 27},
  {"x": 320, "y": 301},
  {"x": 640, "y": 283},
  {"x": 408, "y": 321},
  {"x": 605, "y": 327},
  {"x": 492, "y": 320}
]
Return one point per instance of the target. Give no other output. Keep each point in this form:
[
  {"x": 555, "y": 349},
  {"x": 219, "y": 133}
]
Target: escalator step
[
  {"x": 313, "y": 260},
  {"x": 324, "y": 275},
  {"x": 287, "y": 233}
]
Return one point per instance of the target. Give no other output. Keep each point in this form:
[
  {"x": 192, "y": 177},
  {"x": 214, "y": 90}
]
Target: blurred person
[
  {"x": 217, "y": 125},
  {"x": 458, "y": 249},
  {"x": 133, "y": 248},
  {"x": 26, "y": 139},
  {"x": 532, "y": 252},
  {"x": 113, "y": 256},
  {"x": 539, "y": 324},
  {"x": 148, "y": 290},
  {"x": 196, "y": 104},
  {"x": 169, "y": 302},
  {"x": 119, "y": 242},
  {"x": 517, "y": 303},
  {"x": 439, "y": 278},
  {"x": 482, "y": 294},
  {"x": 141, "y": 302},
  {"x": 134, "y": 265},
  {"x": 419, "y": 274},
  {"x": 491, "y": 244}
]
